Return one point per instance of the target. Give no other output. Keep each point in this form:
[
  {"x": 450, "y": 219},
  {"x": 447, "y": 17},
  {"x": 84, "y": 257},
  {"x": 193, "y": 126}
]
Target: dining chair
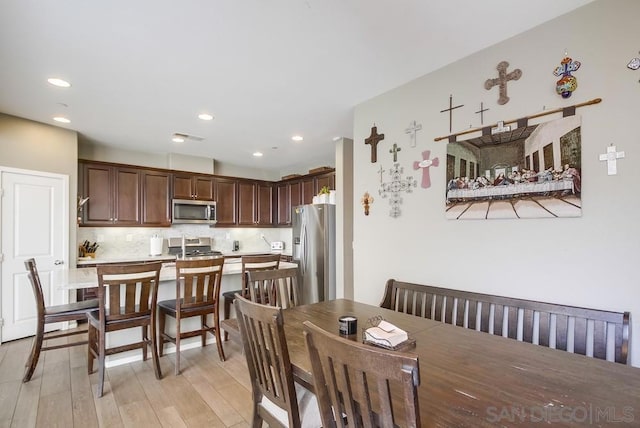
[
  {"x": 127, "y": 298},
  {"x": 49, "y": 315},
  {"x": 274, "y": 287},
  {"x": 249, "y": 264},
  {"x": 197, "y": 294},
  {"x": 372, "y": 387},
  {"x": 277, "y": 399}
]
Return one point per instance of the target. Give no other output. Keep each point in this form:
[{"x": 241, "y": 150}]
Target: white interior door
[{"x": 34, "y": 222}]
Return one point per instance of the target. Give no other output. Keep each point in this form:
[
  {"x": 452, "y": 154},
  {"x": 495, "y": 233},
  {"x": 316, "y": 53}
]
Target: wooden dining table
[{"x": 475, "y": 379}]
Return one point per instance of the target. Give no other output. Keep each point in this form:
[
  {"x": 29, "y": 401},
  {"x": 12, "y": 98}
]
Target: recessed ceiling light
[
  {"x": 59, "y": 82},
  {"x": 297, "y": 138},
  {"x": 205, "y": 116},
  {"x": 61, "y": 119},
  {"x": 257, "y": 154},
  {"x": 177, "y": 139}
]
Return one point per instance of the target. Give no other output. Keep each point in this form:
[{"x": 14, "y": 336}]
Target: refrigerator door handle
[{"x": 303, "y": 248}]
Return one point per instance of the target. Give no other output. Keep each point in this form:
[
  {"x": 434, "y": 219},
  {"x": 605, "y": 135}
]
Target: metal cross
[
  {"x": 411, "y": 130},
  {"x": 380, "y": 171},
  {"x": 501, "y": 81},
  {"x": 612, "y": 159},
  {"x": 450, "y": 110},
  {"x": 373, "y": 140},
  {"x": 481, "y": 111},
  {"x": 393, "y": 189},
  {"x": 395, "y": 149}
]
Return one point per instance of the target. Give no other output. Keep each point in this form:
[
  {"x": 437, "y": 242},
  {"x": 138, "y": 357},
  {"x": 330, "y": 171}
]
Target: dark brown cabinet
[
  {"x": 255, "y": 203},
  {"x": 187, "y": 186},
  {"x": 226, "y": 201},
  {"x": 156, "y": 198},
  {"x": 328, "y": 180},
  {"x": 114, "y": 195},
  {"x": 288, "y": 195}
]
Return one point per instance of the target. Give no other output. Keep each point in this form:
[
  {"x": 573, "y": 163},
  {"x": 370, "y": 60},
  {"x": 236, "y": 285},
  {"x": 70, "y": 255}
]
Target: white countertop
[
  {"x": 165, "y": 257},
  {"x": 68, "y": 279}
]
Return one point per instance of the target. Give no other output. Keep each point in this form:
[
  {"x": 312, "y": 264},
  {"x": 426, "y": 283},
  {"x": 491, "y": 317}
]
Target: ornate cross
[
  {"x": 393, "y": 188},
  {"x": 380, "y": 171},
  {"x": 450, "y": 110},
  {"x": 411, "y": 130},
  {"x": 425, "y": 163},
  {"x": 481, "y": 111},
  {"x": 373, "y": 140},
  {"x": 395, "y": 149},
  {"x": 612, "y": 159},
  {"x": 502, "y": 79}
]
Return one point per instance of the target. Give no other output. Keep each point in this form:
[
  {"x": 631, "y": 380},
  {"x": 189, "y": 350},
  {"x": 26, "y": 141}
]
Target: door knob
[{"x": 58, "y": 262}]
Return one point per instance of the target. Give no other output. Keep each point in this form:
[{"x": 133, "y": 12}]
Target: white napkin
[{"x": 385, "y": 334}]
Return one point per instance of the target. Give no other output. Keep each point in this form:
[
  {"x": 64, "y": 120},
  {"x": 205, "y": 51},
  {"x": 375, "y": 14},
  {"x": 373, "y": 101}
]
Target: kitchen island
[{"x": 81, "y": 278}]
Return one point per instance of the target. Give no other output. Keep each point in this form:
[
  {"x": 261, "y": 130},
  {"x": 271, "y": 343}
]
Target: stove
[{"x": 193, "y": 247}]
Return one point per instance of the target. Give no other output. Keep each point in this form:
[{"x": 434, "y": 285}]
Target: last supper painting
[{"x": 516, "y": 172}]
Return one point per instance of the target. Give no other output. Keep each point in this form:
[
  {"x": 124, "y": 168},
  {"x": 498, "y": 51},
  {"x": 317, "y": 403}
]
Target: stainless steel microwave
[{"x": 192, "y": 211}]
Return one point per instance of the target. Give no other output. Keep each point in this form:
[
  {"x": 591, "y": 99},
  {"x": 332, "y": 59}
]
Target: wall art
[
  {"x": 394, "y": 189},
  {"x": 567, "y": 83},
  {"x": 373, "y": 141},
  {"x": 502, "y": 80},
  {"x": 529, "y": 171}
]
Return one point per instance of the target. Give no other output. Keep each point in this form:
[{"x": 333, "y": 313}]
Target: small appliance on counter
[{"x": 277, "y": 246}]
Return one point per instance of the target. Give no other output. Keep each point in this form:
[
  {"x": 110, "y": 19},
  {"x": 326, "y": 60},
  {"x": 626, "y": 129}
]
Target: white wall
[
  {"x": 588, "y": 261},
  {"x": 36, "y": 146}
]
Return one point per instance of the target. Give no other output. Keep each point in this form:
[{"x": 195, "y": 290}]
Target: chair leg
[
  {"x": 34, "y": 356},
  {"x": 177, "y": 368},
  {"x": 161, "y": 340},
  {"x": 91, "y": 345},
  {"x": 154, "y": 347},
  {"x": 101, "y": 358},
  {"x": 216, "y": 324},
  {"x": 203, "y": 327},
  {"x": 145, "y": 340},
  {"x": 227, "y": 309}
]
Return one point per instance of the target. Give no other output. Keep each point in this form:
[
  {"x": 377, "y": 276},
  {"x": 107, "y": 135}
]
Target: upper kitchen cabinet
[
  {"x": 226, "y": 201},
  {"x": 288, "y": 195},
  {"x": 312, "y": 184},
  {"x": 113, "y": 192},
  {"x": 156, "y": 198},
  {"x": 328, "y": 180},
  {"x": 188, "y": 186},
  {"x": 255, "y": 203}
]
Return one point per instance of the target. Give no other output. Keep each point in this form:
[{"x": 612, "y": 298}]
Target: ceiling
[{"x": 266, "y": 70}]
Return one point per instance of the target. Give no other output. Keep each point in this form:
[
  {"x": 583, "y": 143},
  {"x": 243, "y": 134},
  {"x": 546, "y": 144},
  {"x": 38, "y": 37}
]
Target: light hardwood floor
[{"x": 208, "y": 392}]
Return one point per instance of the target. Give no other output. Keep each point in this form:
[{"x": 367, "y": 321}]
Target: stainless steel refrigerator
[{"x": 314, "y": 249}]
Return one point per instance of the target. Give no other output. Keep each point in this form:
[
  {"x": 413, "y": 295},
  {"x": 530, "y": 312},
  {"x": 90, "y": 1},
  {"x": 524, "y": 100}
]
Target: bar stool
[
  {"x": 52, "y": 314},
  {"x": 249, "y": 263},
  {"x": 133, "y": 295},
  {"x": 197, "y": 294}
]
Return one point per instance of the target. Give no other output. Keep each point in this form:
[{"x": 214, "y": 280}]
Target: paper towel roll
[{"x": 155, "y": 246}]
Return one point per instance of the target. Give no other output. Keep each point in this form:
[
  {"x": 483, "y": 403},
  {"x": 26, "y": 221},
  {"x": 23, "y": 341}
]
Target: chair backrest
[
  {"x": 198, "y": 282},
  {"x": 267, "y": 355},
  {"x": 34, "y": 279},
  {"x": 257, "y": 263},
  {"x": 371, "y": 386},
  {"x": 591, "y": 332},
  {"x": 127, "y": 291},
  {"x": 274, "y": 287}
]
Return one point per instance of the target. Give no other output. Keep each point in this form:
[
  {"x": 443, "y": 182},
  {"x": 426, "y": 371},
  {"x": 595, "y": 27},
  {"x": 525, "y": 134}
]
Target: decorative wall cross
[
  {"x": 393, "y": 189},
  {"x": 450, "y": 110},
  {"x": 502, "y": 79},
  {"x": 425, "y": 163},
  {"x": 481, "y": 111},
  {"x": 612, "y": 159},
  {"x": 411, "y": 130},
  {"x": 380, "y": 171},
  {"x": 395, "y": 149},
  {"x": 373, "y": 140}
]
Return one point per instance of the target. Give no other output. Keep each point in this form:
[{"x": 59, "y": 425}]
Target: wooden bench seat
[{"x": 591, "y": 332}]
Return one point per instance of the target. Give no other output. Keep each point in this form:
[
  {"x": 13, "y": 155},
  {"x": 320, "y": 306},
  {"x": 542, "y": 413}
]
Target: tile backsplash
[{"x": 116, "y": 242}]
